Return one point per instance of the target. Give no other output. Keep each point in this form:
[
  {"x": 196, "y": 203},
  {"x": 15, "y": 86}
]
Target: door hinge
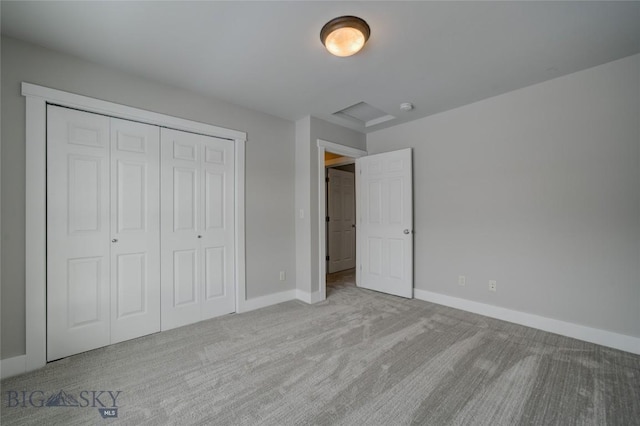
[
  {"x": 326, "y": 180},
  {"x": 327, "y": 218},
  {"x": 327, "y": 259}
]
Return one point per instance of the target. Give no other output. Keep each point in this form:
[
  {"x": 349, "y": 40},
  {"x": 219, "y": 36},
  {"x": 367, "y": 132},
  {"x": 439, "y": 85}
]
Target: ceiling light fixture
[{"x": 345, "y": 35}]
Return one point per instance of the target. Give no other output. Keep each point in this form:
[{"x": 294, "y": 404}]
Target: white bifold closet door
[
  {"x": 103, "y": 233},
  {"x": 197, "y": 179},
  {"x": 135, "y": 230}
]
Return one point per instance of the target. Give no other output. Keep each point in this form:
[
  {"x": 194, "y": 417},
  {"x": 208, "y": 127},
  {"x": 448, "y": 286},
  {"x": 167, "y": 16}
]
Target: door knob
[
  {"x": 199, "y": 236},
  {"x": 406, "y": 231},
  {"x": 115, "y": 240}
]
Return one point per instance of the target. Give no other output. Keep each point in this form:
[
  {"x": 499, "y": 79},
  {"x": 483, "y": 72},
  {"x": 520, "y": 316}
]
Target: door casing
[{"x": 346, "y": 151}]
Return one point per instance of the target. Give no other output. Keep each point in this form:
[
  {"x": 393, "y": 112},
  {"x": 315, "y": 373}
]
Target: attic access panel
[{"x": 364, "y": 114}]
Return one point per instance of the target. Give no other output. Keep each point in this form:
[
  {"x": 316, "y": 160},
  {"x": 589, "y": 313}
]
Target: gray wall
[
  {"x": 270, "y": 240},
  {"x": 308, "y": 131},
  {"x": 538, "y": 189},
  {"x": 303, "y": 204}
]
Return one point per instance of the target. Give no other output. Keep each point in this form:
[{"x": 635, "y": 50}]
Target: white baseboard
[
  {"x": 13, "y": 366},
  {"x": 580, "y": 332},
  {"x": 307, "y": 297},
  {"x": 268, "y": 300}
]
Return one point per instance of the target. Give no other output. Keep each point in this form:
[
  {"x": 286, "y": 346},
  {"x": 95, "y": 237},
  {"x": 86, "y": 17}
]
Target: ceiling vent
[{"x": 364, "y": 114}]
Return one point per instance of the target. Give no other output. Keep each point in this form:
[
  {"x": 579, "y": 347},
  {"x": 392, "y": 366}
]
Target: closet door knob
[
  {"x": 199, "y": 236},
  {"x": 115, "y": 240}
]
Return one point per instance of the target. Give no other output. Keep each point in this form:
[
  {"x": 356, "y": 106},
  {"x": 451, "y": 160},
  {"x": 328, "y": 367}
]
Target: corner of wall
[{"x": 302, "y": 204}]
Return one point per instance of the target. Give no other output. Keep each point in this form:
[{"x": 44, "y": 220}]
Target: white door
[
  {"x": 341, "y": 206},
  {"x": 103, "y": 231},
  {"x": 78, "y": 240},
  {"x": 135, "y": 230},
  {"x": 197, "y": 215},
  {"x": 385, "y": 223}
]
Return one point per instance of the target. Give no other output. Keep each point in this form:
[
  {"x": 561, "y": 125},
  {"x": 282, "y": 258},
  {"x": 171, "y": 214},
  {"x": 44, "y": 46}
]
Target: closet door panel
[
  {"x": 181, "y": 203},
  {"x": 185, "y": 277},
  {"x": 214, "y": 273},
  {"x": 217, "y": 227},
  {"x": 135, "y": 230},
  {"x": 197, "y": 227},
  {"x": 185, "y": 199},
  {"x": 77, "y": 232}
]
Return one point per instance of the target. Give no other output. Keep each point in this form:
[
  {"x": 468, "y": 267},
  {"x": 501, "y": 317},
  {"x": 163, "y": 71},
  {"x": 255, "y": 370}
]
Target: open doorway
[
  {"x": 340, "y": 280},
  {"x": 340, "y": 218},
  {"x": 384, "y": 219},
  {"x": 337, "y": 157}
]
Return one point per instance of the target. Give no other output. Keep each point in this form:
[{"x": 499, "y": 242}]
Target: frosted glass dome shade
[{"x": 345, "y": 36}]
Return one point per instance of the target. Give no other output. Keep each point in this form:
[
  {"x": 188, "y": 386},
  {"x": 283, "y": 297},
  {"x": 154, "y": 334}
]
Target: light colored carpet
[{"x": 358, "y": 358}]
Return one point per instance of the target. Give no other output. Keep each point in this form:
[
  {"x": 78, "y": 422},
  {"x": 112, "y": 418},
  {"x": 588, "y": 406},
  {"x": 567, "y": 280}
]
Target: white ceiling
[{"x": 268, "y": 56}]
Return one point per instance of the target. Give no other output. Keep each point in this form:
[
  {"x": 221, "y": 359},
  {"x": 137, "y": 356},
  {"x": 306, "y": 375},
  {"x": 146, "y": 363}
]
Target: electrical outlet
[
  {"x": 492, "y": 285},
  {"x": 462, "y": 280},
  {"x": 283, "y": 276}
]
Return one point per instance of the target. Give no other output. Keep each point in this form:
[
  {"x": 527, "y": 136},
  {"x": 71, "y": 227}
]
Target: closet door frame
[{"x": 37, "y": 98}]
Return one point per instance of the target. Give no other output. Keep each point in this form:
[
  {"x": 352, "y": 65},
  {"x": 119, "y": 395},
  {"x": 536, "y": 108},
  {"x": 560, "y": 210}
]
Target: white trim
[
  {"x": 378, "y": 120},
  {"x": 37, "y": 98},
  {"x": 340, "y": 161},
  {"x": 580, "y": 332},
  {"x": 35, "y": 234},
  {"x": 13, "y": 366},
  {"x": 322, "y": 197},
  {"x": 125, "y": 112},
  {"x": 269, "y": 300},
  {"x": 241, "y": 290},
  {"x": 336, "y": 148},
  {"x": 309, "y": 298}
]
